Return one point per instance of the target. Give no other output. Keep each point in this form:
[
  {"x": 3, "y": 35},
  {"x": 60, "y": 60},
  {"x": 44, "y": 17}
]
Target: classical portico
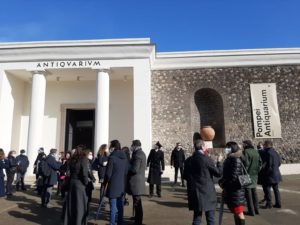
[{"x": 49, "y": 93}]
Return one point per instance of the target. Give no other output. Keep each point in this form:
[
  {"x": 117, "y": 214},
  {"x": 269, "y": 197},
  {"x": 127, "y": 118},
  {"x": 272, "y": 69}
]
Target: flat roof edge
[{"x": 74, "y": 43}]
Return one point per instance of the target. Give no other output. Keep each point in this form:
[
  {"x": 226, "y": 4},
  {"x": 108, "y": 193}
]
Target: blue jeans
[
  {"x": 210, "y": 217},
  {"x": 116, "y": 206}
]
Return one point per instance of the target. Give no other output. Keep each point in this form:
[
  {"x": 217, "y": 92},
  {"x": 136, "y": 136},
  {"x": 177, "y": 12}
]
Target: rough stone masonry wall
[{"x": 175, "y": 117}]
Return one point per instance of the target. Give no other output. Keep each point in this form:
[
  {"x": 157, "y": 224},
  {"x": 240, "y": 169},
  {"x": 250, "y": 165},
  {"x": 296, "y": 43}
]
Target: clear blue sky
[{"x": 173, "y": 25}]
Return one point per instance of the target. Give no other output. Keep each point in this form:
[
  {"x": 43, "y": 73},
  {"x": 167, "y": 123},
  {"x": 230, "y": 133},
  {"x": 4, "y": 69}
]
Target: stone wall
[{"x": 175, "y": 116}]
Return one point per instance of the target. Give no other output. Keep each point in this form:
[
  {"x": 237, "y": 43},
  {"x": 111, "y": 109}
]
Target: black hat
[
  {"x": 158, "y": 144},
  {"x": 136, "y": 143},
  {"x": 22, "y": 151}
]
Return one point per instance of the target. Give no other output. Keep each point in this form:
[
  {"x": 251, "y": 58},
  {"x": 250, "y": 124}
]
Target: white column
[
  {"x": 37, "y": 105},
  {"x": 102, "y": 109},
  {"x": 142, "y": 104}
]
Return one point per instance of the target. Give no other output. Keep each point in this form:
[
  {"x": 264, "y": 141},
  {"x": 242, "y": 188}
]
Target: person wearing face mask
[
  {"x": 53, "y": 163},
  {"x": 233, "y": 194},
  {"x": 156, "y": 163},
  {"x": 177, "y": 160},
  {"x": 91, "y": 179},
  {"x": 23, "y": 163},
  {"x": 11, "y": 171}
]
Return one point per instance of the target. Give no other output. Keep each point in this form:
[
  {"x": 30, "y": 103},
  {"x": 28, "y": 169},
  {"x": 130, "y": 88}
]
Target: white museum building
[{"x": 58, "y": 94}]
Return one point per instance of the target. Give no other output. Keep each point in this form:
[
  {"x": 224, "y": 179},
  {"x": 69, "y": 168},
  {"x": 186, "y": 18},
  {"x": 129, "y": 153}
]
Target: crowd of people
[{"x": 121, "y": 172}]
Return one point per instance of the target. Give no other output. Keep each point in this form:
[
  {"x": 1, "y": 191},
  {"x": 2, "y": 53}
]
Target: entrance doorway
[{"x": 80, "y": 128}]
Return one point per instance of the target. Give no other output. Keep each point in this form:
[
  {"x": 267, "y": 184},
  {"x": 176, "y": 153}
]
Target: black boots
[{"x": 239, "y": 221}]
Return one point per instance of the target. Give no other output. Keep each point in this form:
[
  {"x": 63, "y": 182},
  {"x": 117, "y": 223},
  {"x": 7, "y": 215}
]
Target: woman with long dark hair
[
  {"x": 233, "y": 193},
  {"x": 75, "y": 208}
]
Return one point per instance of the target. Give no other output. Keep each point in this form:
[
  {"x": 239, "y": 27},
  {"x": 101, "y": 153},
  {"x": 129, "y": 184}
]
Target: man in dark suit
[
  {"x": 177, "y": 160},
  {"x": 156, "y": 163},
  {"x": 201, "y": 189},
  {"x": 271, "y": 175},
  {"x": 136, "y": 179},
  {"x": 53, "y": 162}
]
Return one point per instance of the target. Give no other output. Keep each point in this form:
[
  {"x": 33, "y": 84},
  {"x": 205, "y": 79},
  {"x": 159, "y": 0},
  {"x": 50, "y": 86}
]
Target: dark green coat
[{"x": 253, "y": 163}]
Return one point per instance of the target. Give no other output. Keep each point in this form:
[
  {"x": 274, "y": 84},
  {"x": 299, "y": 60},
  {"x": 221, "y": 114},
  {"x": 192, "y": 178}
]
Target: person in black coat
[
  {"x": 201, "y": 192},
  {"x": 100, "y": 165},
  {"x": 136, "y": 179},
  {"x": 156, "y": 163},
  {"x": 11, "y": 171},
  {"x": 38, "y": 159},
  {"x": 3, "y": 165},
  {"x": 177, "y": 160},
  {"x": 23, "y": 163},
  {"x": 233, "y": 194},
  {"x": 48, "y": 182},
  {"x": 271, "y": 175},
  {"x": 92, "y": 179},
  {"x": 75, "y": 209},
  {"x": 115, "y": 180}
]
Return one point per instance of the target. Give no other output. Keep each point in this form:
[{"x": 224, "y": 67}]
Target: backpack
[{"x": 44, "y": 168}]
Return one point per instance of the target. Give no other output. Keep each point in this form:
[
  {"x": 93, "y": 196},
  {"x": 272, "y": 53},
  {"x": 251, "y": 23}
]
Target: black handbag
[{"x": 244, "y": 179}]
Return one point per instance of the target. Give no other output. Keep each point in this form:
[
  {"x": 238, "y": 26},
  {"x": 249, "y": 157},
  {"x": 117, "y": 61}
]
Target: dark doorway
[
  {"x": 80, "y": 128},
  {"x": 210, "y": 106}
]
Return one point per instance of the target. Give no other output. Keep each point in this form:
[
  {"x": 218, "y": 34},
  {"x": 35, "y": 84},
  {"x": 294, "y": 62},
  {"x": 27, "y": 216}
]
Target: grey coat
[
  {"x": 201, "y": 189},
  {"x": 136, "y": 174}
]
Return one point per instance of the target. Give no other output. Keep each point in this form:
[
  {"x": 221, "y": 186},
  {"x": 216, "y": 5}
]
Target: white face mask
[
  {"x": 227, "y": 151},
  {"x": 90, "y": 157},
  {"x": 13, "y": 155}
]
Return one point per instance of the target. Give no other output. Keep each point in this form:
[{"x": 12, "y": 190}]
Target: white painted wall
[
  {"x": 121, "y": 111},
  {"x": 142, "y": 104},
  {"x": 6, "y": 112}
]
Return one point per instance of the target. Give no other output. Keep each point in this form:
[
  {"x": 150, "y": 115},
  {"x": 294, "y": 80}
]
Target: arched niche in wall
[{"x": 210, "y": 106}]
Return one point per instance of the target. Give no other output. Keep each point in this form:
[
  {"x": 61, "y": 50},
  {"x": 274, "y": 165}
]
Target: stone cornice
[
  {"x": 73, "y": 50},
  {"x": 226, "y": 58}
]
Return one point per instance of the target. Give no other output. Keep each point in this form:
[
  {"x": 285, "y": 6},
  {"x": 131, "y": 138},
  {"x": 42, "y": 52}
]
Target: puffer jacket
[{"x": 233, "y": 194}]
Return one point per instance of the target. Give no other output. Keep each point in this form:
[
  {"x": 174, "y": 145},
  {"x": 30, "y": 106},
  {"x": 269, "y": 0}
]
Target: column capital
[
  {"x": 102, "y": 69},
  {"x": 37, "y": 72}
]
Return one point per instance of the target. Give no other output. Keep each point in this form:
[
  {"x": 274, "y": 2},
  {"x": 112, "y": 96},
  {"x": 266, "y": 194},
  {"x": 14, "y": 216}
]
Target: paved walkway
[{"x": 171, "y": 209}]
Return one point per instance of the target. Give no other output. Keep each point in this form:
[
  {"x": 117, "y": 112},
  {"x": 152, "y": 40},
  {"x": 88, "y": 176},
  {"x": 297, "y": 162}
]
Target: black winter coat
[
  {"x": 23, "y": 164},
  {"x": 177, "y": 158},
  {"x": 116, "y": 174},
  {"x": 3, "y": 165},
  {"x": 136, "y": 173},
  {"x": 12, "y": 165},
  {"x": 75, "y": 208},
  {"x": 233, "y": 194},
  {"x": 99, "y": 166},
  {"x": 156, "y": 163},
  {"x": 55, "y": 166},
  {"x": 201, "y": 188},
  {"x": 270, "y": 171}
]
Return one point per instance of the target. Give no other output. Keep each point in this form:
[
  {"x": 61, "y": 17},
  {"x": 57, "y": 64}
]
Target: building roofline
[
  {"x": 76, "y": 43},
  {"x": 226, "y": 58}
]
